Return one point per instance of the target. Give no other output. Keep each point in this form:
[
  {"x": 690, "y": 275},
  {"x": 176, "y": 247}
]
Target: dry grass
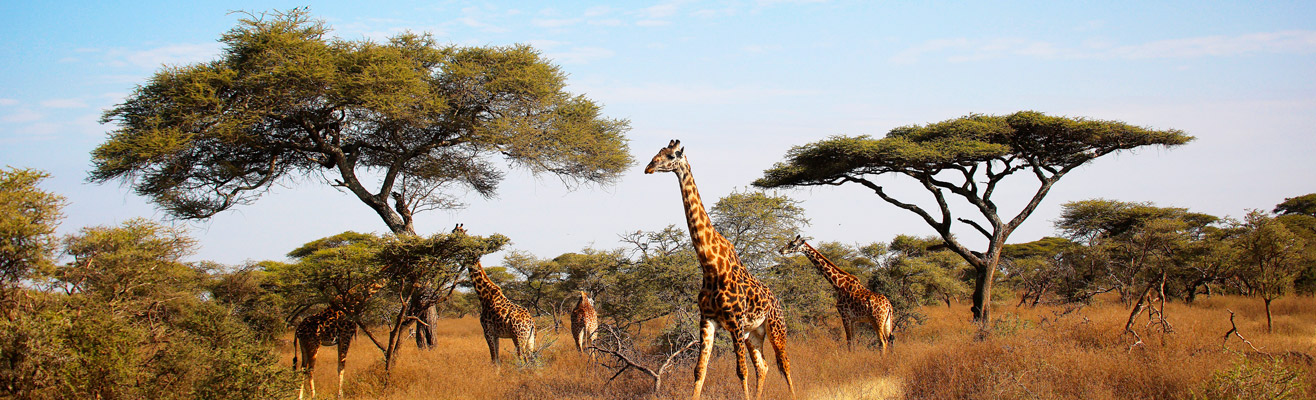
[{"x": 1031, "y": 354}]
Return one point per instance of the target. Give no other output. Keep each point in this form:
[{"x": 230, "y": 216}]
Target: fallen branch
[{"x": 1233, "y": 330}]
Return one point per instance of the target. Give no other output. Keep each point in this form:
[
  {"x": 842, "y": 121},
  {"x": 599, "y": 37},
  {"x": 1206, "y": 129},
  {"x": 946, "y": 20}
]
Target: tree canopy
[
  {"x": 418, "y": 120},
  {"x": 1301, "y": 205},
  {"x": 968, "y": 158}
]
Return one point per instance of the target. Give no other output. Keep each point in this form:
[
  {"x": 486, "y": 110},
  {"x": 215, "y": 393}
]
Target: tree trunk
[
  {"x": 1268, "y": 328},
  {"x": 982, "y": 294}
]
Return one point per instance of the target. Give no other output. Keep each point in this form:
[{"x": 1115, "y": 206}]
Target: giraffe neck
[
  {"x": 835, "y": 275},
  {"x": 706, "y": 240},
  {"x": 484, "y": 287}
]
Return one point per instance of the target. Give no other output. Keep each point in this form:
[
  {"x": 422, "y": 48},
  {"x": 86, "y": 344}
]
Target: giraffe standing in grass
[
  {"x": 854, "y": 302},
  {"x": 730, "y": 296},
  {"x": 499, "y": 317},
  {"x": 584, "y": 322},
  {"x": 335, "y": 325}
]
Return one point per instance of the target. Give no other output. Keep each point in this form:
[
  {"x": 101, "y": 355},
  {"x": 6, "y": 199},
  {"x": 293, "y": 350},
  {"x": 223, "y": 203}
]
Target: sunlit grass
[{"x": 1032, "y": 353}]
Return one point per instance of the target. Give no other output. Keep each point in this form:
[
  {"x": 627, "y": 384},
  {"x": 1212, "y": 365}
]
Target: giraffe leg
[
  {"x": 518, "y": 345},
  {"x": 741, "y": 369},
  {"x": 308, "y": 351},
  {"x": 755, "y": 345},
  {"x": 493, "y": 348},
  {"x": 848, "y": 325},
  {"x": 343, "y": 344},
  {"x": 707, "y": 328}
]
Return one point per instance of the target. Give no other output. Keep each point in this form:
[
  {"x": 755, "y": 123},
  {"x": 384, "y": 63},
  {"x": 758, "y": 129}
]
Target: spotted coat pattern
[
  {"x": 584, "y": 322},
  {"x": 729, "y": 296},
  {"x": 500, "y": 317},
  {"x": 854, "y": 302}
]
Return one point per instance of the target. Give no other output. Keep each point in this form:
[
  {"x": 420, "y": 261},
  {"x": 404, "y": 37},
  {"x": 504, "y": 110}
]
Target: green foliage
[
  {"x": 965, "y": 159},
  {"x": 283, "y": 100},
  {"x": 1301, "y": 205},
  {"x": 757, "y": 225},
  {"x": 251, "y": 296},
  {"x": 1264, "y": 378},
  {"x": 28, "y": 217},
  {"x": 1056, "y": 142},
  {"x": 1271, "y": 257},
  {"x": 132, "y": 322},
  {"x": 329, "y": 271}
]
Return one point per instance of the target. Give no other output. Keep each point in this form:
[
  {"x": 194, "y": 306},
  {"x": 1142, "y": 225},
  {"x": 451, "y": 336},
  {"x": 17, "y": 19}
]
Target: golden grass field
[{"x": 1037, "y": 353}]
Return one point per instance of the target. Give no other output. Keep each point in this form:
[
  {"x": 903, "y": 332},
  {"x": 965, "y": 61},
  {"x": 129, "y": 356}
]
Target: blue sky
[{"x": 739, "y": 82}]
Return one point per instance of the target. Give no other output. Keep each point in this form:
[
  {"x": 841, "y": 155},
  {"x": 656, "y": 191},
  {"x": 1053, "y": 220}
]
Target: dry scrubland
[{"x": 1040, "y": 353}]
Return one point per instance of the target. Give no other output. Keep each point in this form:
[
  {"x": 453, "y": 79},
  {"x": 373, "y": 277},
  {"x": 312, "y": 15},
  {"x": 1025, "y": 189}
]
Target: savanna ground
[{"x": 1047, "y": 352}]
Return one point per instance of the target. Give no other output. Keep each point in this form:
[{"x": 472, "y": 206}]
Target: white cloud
[
  {"x": 687, "y": 94},
  {"x": 652, "y": 22},
  {"x": 22, "y": 115},
  {"x": 556, "y": 23},
  {"x": 173, "y": 55},
  {"x": 761, "y": 48},
  {"x": 8, "y": 102},
  {"x": 64, "y": 103},
  {"x": 1284, "y": 42},
  {"x": 580, "y": 55},
  {"x": 967, "y": 50}
]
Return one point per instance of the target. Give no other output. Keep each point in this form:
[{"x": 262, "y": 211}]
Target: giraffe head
[
  {"x": 668, "y": 159},
  {"x": 459, "y": 229},
  {"x": 795, "y": 246},
  {"x": 584, "y": 298}
]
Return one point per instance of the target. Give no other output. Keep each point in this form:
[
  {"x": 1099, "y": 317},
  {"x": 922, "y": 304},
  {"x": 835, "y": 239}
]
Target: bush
[{"x": 1261, "y": 378}]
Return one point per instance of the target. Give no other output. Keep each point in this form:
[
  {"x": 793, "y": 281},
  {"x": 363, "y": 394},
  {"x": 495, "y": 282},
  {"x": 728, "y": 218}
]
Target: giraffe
[
  {"x": 854, "y": 302},
  {"x": 335, "y": 325},
  {"x": 730, "y": 296},
  {"x": 584, "y": 322},
  {"x": 499, "y": 317}
]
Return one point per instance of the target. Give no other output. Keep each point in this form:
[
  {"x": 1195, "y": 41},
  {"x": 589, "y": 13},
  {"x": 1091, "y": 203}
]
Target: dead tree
[{"x": 619, "y": 345}]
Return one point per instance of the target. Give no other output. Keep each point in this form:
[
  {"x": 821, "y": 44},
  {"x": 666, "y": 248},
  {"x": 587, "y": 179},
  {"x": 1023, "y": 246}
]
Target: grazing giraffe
[
  {"x": 584, "y": 322},
  {"x": 730, "y": 296},
  {"x": 854, "y": 302},
  {"x": 499, "y": 317},
  {"x": 335, "y": 325}
]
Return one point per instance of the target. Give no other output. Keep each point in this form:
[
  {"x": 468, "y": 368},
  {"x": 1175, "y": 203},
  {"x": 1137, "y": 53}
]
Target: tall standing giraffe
[
  {"x": 730, "y": 296},
  {"x": 499, "y": 317},
  {"x": 584, "y": 322},
  {"x": 335, "y": 325},
  {"x": 854, "y": 302}
]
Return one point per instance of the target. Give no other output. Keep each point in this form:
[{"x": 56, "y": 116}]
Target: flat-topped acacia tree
[
  {"x": 402, "y": 125},
  {"x": 966, "y": 158},
  {"x": 405, "y": 125}
]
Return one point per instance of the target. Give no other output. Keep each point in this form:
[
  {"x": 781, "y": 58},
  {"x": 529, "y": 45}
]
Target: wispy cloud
[
  {"x": 688, "y": 94},
  {"x": 174, "y": 54},
  {"x": 580, "y": 55},
  {"x": 1283, "y": 42},
  {"x": 22, "y": 115},
  {"x": 8, "y": 102},
  {"x": 967, "y": 50},
  {"x": 64, "y": 103}
]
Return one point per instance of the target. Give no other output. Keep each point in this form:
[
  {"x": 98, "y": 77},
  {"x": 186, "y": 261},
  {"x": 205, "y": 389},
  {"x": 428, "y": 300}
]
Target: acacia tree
[
  {"x": 966, "y": 158},
  {"x": 405, "y": 125},
  {"x": 28, "y": 217},
  {"x": 1271, "y": 257}
]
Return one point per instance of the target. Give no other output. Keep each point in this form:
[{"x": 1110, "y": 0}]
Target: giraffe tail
[
  {"x": 295, "y": 351},
  {"x": 777, "y": 333},
  {"x": 889, "y": 325}
]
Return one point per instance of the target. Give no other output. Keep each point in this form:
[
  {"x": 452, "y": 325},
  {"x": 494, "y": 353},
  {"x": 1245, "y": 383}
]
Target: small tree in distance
[{"x": 966, "y": 158}]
